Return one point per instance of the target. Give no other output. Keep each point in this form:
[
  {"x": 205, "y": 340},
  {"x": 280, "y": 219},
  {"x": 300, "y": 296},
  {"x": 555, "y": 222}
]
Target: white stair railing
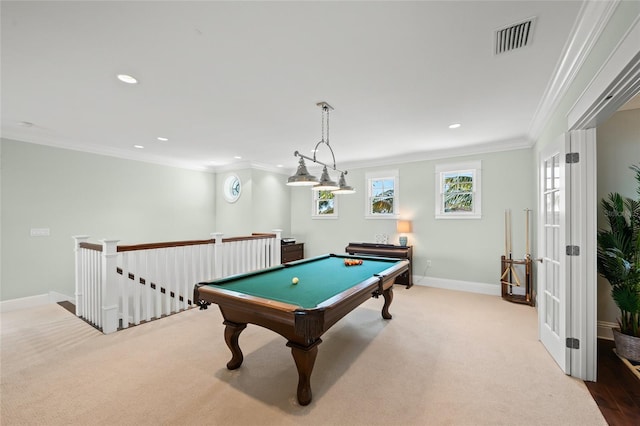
[{"x": 119, "y": 286}]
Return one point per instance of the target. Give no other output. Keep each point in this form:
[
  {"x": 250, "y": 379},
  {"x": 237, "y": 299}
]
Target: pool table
[{"x": 327, "y": 290}]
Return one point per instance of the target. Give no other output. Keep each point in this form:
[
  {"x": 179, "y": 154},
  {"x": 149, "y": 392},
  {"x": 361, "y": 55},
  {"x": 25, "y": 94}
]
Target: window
[
  {"x": 382, "y": 195},
  {"x": 325, "y": 205},
  {"x": 458, "y": 191}
]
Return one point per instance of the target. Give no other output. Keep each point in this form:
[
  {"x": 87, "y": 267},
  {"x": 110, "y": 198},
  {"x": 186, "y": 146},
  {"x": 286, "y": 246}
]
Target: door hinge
[
  {"x": 573, "y": 343},
  {"x": 573, "y": 250},
  {"x": 573, "y": 157}
]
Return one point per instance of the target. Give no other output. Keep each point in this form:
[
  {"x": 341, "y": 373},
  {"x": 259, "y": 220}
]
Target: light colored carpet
[{"x": 446, "y": 358}]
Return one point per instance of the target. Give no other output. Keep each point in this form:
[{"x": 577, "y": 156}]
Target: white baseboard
[
  {"x": 468, "y": 286},
  {"x": 604, "y": 329},
  {"x": 31, "y": 301}
]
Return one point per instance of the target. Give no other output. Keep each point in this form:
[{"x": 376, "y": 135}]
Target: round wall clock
[{"x": 232, "y": 188}]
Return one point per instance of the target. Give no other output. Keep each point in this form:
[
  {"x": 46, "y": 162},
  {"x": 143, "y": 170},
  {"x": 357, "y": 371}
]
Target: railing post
[
  {"x": 80, "y": 301},
  {"x": 217, "y": 254},
  {"x": 109, "y": 284},
  {"x": 276, "y": 250}
]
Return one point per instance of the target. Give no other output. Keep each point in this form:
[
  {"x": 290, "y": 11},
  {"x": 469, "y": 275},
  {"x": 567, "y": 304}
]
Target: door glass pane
[
  {"x": 556, "y": 208},
  {"x": 548, "y": 240},
  {"x": 556, "y": 171},
  {"x": 556, "y": 315},
  {"x": 549, "y": 209},
  {"x": 556, "y": 279}
]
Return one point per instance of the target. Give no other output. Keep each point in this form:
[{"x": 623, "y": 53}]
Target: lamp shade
[
  {"x": 404, "y": 226},
  {"x": 302, "y": 176},
  {"x": 326, "y": 184},
  {"x": 344, "y": 188}
]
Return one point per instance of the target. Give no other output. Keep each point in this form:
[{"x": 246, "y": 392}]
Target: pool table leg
[
  {"x": 388, "y": 298},
  {"x": 231, "y": 333},
  {"x": 305, "y": 358}
]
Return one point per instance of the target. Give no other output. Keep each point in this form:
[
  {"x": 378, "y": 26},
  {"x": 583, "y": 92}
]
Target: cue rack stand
[{"x": 511, "y": 270}]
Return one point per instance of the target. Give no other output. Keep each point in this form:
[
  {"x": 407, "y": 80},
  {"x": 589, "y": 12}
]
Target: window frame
[
  {"x": 377, "y": 176},
  {"x": 314, "y": 206},
  {"x": 473, "y": 167}
]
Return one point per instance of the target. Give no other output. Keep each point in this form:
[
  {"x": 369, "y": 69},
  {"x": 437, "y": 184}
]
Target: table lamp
[{"x": 403, "y": 226}]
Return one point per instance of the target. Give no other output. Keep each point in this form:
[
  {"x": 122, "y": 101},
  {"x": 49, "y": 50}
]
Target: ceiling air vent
[{"x": 514, "y": 36}]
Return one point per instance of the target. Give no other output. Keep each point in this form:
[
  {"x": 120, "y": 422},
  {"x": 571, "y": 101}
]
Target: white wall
[
  {"x": 466, "y": 250},
  {"x": 73, "y": 193},
  {"x": 618, "y": 148}
]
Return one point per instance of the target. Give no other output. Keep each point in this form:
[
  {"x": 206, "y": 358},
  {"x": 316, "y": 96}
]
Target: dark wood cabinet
[
  {"x": 291, "y": 252},
  {"x": 387, "y": 250}
]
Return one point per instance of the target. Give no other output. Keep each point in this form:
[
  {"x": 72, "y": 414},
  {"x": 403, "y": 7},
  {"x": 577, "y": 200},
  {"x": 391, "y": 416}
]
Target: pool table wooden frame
[{"x": 301, "y": 327}]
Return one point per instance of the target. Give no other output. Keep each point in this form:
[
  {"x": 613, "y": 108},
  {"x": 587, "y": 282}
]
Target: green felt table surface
[{"x": 319, "y": 279}]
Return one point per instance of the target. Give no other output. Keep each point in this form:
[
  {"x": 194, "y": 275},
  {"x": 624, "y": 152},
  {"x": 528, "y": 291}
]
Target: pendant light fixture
[{"x": 302, "y": 176}]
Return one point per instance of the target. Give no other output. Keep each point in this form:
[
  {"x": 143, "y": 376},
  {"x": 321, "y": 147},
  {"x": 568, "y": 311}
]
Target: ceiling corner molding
[
  {"x": 486, "y": 148},
  {"x": 617, "y": 81},
  {"x": 112, "y": 152},
  {"x": 591, "y": 21},
  {"x": 251, "y": 166}
]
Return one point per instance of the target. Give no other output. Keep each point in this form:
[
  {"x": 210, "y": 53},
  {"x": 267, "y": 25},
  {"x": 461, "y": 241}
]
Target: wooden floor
[{"x": 617, "y": 391}]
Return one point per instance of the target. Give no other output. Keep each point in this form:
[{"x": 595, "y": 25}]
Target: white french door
[{"x": 553, "y": 274}]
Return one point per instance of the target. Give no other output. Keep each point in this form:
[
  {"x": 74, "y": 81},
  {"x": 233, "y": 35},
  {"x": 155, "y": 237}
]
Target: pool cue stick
[
  {"x": 507, "y": 241},
  {"x": 510, "y": 239},
  {"x": 506, "y": 235},
  {"x": 512, "y": 268},
  {"x": 528, "y": 249},
  {"x": 511, "y": 271}
]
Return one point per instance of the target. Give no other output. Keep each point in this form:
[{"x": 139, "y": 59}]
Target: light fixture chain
[
  {"x": 327, "y": 109},
  {"x": 324, "y": 112}
]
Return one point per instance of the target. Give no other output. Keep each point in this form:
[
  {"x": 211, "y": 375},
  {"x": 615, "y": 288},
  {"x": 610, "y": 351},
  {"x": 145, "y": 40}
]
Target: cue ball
[{"x": 295, "y": 280}]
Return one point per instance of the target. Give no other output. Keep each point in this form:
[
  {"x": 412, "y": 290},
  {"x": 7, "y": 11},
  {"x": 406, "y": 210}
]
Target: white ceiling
[{"x": 225, "y": 79}]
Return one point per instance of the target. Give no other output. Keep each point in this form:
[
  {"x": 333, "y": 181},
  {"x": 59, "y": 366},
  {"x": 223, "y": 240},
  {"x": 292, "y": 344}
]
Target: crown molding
[
  {"x": 116, "y": 153},
  {"x": 591, "y": 21},
  {"x": 617, "y": 81},
  {"x": 242, "y": 165},
  {"x": 461, "y": 151}
]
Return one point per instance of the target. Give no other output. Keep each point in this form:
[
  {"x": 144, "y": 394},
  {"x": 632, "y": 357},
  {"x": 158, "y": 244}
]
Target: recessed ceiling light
[
  {"x": 138, "y": 146},
  {"x": 160, "y": 138},
  {"x": 454, "y": 125},
  {"x": 237, "y": 157},
  {"x": 279, "y": 165},
  {"x": 126, "y": 78}
]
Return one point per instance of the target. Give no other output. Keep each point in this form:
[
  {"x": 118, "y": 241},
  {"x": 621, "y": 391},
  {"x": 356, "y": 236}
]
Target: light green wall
[
  {"x": 262, "y": 207},
  {"x": 466, "y": 250},
  {"x": 234, "y": 219},
  {"x": 271, "y": 202},
  {"x": 618, "y": 148},
  {"x": 74, "y": 193}
]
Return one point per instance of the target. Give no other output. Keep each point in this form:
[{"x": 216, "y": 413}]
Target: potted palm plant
[{"x": 619, "y": 263}]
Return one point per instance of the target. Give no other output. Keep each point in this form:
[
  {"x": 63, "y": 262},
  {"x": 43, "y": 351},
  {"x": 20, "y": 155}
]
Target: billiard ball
[{"x": 295, "y": 280}]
